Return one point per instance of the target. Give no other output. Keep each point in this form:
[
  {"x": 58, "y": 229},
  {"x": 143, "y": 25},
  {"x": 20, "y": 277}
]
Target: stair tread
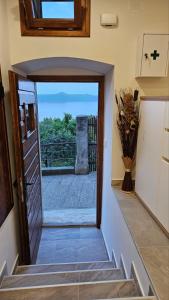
[
  {"x": 133, "y": 298},
  {"x": 48, "y": 268},
  {"x": 61, "y": 278},
  {"x": 88, "y": 291}
]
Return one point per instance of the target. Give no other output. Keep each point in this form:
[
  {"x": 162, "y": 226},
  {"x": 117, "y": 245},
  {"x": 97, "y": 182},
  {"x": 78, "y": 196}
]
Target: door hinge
[{"x": 1, "y": 91}]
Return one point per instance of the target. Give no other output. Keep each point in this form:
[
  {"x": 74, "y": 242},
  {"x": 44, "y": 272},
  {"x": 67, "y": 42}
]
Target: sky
[
  {"x": 58, "y": 9},
  {"x": 67, "y": 87}
]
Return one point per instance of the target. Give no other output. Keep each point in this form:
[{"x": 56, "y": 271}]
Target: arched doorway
[{"x": 27, "y": 138}]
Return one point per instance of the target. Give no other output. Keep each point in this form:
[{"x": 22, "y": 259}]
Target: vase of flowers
[{"x": 128, "y": 123}]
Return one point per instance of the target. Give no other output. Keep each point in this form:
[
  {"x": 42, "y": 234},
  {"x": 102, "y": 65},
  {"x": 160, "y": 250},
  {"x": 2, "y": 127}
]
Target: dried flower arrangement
[{"x": 128, "y": 123}]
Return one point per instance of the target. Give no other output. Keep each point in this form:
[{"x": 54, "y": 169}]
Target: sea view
[{"x": 55, "y": 105}]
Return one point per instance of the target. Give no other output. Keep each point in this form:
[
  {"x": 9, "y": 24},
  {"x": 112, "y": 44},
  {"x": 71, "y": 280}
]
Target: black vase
[{"x": 127, "y": 184}]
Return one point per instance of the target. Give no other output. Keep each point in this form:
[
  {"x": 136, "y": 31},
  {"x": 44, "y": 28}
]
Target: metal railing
[
  {"x": 92, "y": 143},
  {"x": 59, "y": 154},
  {"x": 63, "y": 154}
]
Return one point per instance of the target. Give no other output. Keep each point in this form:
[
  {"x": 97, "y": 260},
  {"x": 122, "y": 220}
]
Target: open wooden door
[{"x": 27, "y": 159}]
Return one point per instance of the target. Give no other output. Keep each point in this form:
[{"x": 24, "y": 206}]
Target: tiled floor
[
  {"x": 152, "y": 243},
  {"x": 79, "y": 216},
  {"x": 69, "y": 191},
  {"x": 69, "y": 199},
  {"x": 65, "y": 245}
]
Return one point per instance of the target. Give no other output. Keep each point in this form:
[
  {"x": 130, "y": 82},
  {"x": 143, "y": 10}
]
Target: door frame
[
  {"x": 100, "y": 80},
  {"x": 6, "y": 200}
]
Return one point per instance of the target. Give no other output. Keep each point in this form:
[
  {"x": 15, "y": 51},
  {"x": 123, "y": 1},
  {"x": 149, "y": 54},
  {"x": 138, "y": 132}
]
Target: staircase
[{"x": 74, "y": 281}]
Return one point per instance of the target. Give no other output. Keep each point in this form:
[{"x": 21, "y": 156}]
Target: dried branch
[{"x": 128, "y": 120}]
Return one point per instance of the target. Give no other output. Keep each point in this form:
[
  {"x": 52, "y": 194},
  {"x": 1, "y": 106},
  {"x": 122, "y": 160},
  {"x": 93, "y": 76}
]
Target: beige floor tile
[{"x": 157, "y": 263}]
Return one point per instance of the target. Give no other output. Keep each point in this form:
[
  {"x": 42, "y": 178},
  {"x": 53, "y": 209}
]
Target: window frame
[{"x": 79, "y": 26}]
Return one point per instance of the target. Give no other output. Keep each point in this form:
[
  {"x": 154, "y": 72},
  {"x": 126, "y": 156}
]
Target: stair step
[
  {"x": 133, "y": 298},
  {"x": 16, "y": 281},
  {"x": 50, "y": 268},
  {"x": 88, "y": 291}
]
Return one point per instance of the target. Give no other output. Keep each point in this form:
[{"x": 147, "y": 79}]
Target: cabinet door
[
  {"x": 166, "y": 116},
  {"x": 163, "y": 195},
  {"x": 155, "y": 55},
  {"x": 165, "y": 149},
  {"x": 163, "y": 176}
]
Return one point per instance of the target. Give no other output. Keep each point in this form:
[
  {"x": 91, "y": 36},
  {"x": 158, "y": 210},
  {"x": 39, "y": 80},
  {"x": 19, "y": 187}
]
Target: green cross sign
[{"x": 155, "y": 54}]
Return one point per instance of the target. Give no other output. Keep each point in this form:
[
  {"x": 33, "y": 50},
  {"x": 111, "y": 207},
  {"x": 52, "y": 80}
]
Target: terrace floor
[{"x": 69, "y": 199}]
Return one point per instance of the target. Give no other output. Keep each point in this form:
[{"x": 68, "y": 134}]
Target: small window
[
  {"x": 58, "y": 9},
  {"x": 55, "y": 17}
]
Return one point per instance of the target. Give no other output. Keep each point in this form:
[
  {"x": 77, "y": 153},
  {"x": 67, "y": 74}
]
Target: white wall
[
  {"x": 152, "y": 171},
  {"x": 115, "y": 46},
  {"x": 115, "y": 231},
  {"x": 8, "y": 231},
  {"x": 118, "y": 239}
]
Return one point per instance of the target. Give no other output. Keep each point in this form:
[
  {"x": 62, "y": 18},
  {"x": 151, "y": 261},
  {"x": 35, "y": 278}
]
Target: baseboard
[
  {"x": 15, "y": 264},
  {"x": 3, "y": 271},
  {"x": 123, "y": 267},
  {"x": 118, "y": 182},
  {"x": 153, "y": 216},
  {"x": 109, "y": 255},
  {"x": 114, "y": 259},
  {"x": 134, "y": 275}
]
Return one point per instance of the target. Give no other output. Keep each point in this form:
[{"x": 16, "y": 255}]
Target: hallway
[{"x": 76, "y": 244}]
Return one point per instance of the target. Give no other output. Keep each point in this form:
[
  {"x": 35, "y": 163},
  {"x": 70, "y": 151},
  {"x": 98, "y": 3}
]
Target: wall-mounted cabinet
[{"x": 152, "y": 55}]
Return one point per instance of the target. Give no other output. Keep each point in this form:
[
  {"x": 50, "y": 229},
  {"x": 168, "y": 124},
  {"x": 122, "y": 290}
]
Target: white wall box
[
  {"x": 108, "y": 20},
  {"x": 152, "y": 55}
]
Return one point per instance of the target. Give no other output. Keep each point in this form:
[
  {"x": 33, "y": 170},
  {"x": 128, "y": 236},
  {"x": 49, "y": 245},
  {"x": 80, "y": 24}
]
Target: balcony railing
[{"x": 62, "y": 154}]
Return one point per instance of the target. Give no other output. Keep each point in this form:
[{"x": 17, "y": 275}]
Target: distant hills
[{"x": 64, "y": 97}]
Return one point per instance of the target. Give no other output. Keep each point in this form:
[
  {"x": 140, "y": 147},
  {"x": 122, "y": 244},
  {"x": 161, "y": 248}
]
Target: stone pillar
[{"x": 81, "y": 165}]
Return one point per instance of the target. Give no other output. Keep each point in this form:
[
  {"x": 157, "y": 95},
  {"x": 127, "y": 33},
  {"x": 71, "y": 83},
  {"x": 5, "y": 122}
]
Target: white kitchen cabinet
[
  {"x": 165, "y": 143},
  {"x": 166, "y": 116},
  {"x": 152, "y": 55},
  {"x": 152, "y": 165}
]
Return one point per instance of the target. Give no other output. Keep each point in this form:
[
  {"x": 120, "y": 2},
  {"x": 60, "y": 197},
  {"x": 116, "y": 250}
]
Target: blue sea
[{"x": 57, "y": 109}]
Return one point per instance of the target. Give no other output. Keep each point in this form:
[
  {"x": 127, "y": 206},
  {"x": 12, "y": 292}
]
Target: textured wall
[{"x": 8, "y": 231}]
